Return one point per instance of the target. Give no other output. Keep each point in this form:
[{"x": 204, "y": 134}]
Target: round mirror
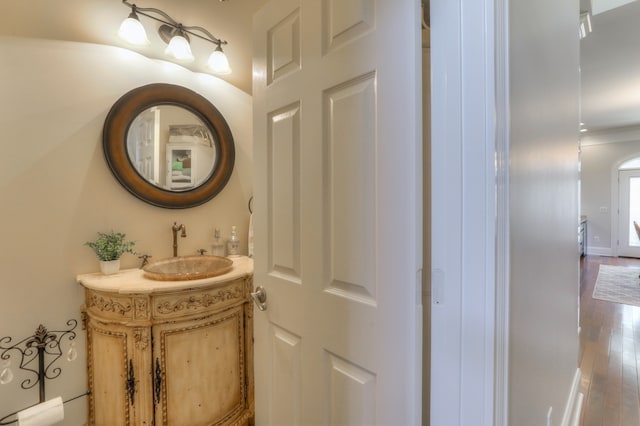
[{"x": 168, "y": 146}]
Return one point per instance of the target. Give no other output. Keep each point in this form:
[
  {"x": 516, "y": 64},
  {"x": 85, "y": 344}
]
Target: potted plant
[{"x": 109, "y": 247}]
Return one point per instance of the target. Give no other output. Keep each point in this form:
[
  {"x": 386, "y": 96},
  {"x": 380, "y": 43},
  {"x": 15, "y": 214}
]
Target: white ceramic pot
[{"x": 109, "y": 267}]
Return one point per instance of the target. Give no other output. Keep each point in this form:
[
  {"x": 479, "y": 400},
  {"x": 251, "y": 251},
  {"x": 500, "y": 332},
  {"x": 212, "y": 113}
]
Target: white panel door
[
  {"x": 628, "y": 213},
  {"x": 338, "y": 196},
  {"x": 145, "y": 131}
]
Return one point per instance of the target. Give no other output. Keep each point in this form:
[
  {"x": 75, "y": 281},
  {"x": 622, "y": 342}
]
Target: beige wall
[
  {"x": 57, "y": 190},
  {"x": 598, "y": 163},
  {"x": 543, "y": 204}
]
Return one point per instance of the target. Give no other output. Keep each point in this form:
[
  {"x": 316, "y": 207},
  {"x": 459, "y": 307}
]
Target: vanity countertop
[{"x": 133, "y": 280}]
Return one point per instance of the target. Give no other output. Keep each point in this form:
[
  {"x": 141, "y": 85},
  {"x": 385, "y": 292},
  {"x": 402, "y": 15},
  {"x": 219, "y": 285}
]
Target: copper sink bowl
[{"x": 183, "y": 268}]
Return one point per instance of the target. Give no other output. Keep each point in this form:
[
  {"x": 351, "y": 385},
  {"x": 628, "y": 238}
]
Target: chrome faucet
[{"x": 175, "y": 228}]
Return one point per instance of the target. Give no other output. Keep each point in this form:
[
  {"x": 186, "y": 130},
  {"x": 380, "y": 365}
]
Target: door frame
[
  {"x": 470, "y": 246},
  {"x": 615, "y": 187},
  {"x": 615, "y": 204}
]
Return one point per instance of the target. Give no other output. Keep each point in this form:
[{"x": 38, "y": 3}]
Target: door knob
[{"x": 260, "y": 297}]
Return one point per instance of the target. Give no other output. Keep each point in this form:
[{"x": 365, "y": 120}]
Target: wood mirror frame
[{"x": 114, "y": 143}]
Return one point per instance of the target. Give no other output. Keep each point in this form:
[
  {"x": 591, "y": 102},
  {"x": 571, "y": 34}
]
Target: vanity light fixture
[
  {"x": 179, "y": 48},
  {"x": 132, "y": 31},
  {"x": 218, "y": 62},
  {"x": 174, "y": 34}
]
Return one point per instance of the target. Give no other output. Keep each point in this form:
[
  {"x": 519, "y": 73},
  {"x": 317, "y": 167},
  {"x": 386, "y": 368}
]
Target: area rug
[{"x": 619, "y": 284}]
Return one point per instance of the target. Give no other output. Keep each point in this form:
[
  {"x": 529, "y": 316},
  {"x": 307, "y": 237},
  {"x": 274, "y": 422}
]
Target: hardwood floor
[{"x": 610, "y": 352}]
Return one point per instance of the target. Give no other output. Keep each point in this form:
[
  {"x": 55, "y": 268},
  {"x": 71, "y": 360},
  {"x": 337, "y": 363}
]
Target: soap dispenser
[
  {"x": 233, "y": 245},
  {"x": 217, "y": 249}
]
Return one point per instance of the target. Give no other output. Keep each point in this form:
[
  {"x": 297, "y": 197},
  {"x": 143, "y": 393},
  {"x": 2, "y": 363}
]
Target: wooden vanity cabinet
[{"x": 179, "y": 357}]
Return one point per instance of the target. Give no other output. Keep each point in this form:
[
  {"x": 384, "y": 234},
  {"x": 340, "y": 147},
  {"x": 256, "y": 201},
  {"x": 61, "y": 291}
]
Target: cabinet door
[
  {"x": 200, "y": 370},
  {"x": 119, "y": 375},
  {"x": 107, "y": 355}
]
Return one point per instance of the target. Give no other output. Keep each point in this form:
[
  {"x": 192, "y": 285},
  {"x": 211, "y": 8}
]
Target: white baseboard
[
  {"x": 600, "y": 251},
  {"x": 571, "y": 416}
]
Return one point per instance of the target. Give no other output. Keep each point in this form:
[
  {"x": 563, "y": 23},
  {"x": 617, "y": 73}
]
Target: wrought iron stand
[{"x": 35, "y": 349}]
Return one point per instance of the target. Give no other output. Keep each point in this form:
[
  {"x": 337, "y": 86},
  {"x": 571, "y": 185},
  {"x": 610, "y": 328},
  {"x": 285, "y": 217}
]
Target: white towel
[{"x": 46, "y": 413}]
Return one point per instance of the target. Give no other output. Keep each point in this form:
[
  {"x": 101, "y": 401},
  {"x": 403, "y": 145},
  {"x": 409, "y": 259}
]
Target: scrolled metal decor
[
  {"x": 38, "y": 354},
  {"x": 34, "y": 348}
]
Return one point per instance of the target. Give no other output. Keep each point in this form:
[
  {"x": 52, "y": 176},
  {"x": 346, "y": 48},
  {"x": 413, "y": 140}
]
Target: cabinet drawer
[
  {"x": 185, "y": 303},
  {"x": 113, "y": 307}
]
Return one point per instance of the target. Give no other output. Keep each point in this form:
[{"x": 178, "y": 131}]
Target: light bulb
[
  {"x": 132, "y": 31},
  {"x": 179, "y": 49},
  {"x": 218, "y": 62}
]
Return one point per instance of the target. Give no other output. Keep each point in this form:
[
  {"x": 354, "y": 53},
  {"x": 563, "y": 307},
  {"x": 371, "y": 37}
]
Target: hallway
[{"x": 609, "y": 352}]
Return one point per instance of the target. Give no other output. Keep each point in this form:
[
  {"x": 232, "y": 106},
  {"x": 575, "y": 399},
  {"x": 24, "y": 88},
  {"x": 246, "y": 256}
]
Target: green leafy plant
[{"x": 110, "y": 246}]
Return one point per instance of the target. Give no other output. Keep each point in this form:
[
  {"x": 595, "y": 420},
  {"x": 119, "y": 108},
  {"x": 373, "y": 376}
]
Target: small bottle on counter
[
  {"x": 217, "y": 248},
  {"x": 233, "y": 245}
]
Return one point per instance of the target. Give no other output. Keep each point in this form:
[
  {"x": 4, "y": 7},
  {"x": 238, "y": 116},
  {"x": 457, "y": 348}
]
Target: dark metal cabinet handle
[
  {"x": 158, "y": 381},
  {"x": 131, "y": 382}
]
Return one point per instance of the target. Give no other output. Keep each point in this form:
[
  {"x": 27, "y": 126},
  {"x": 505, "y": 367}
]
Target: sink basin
[{"x": 185, "y": 268}]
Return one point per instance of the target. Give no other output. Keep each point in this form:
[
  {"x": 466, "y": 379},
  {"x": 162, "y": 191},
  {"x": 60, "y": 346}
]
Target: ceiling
[
  {"x": 610, "y": 55},
  {"x": 97, "y": 21},
  {"x": 610, "y": 67}
]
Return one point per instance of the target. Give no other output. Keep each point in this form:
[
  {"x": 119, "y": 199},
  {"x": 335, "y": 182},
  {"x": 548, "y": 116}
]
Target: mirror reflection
[
  {"x": 171, "y": 148},
  {"x": 168, "y": 146}
]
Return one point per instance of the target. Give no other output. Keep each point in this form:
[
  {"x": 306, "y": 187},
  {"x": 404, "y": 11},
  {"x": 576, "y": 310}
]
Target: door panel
[
  {"x": 285, "y": 386},
  {"x": 351, "y": 392},
  {"x": 145, "y": 131},
  {"x": 337, "y": 212},
  {"x": 350, "y": 210},
  {"x": 284, "y": 218}
]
